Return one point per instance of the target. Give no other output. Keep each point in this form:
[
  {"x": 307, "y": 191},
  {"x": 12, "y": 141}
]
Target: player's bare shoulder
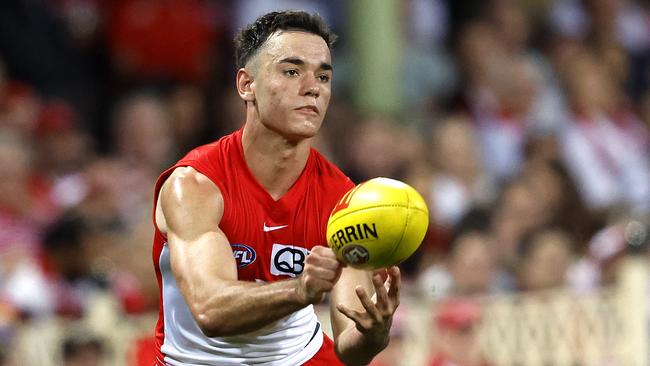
[{"x": 185, "y": 193}]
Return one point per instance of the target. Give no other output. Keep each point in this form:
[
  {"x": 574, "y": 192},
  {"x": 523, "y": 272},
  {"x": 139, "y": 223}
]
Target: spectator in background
[
  {"x": 477, "y": 49},
  {"x": 25, "y": 210},
  {"x": 605, "y": 146},
  {"x": 374, "y": 149},
  {"x": 516, "y": 213},
  {"x": 143, "y": 144},
  {"x": 469, "y": 269},
  {"x": 83, "y": 350},
  {"x": 605, "y": 26},
  {"x": 142, "y": 129},
  {"x": 63, "y": 147},
  {"x": 116, "y": 234},
  {"x": 503, "y": 127},
  {"x": 472, "y": 265},
  {"x": 63, "y": 151},
  {"x": 511, "y": 25},
  {"x": 459, "y": 181},
  {"x": 559, "y": 200},
  {"x": 187, "y": 115},
  {"x": 500, "y": 94},
  {"x": 117, "y": 212},
  {"x": 20, "y": 108},
  {"x": 429, "y": 76},
  {"x": 545, "y": 258},
  {"x": 456, "y": 322},
  {"x": 67, "y": 268},
  {"x": 606, "y": 252}
]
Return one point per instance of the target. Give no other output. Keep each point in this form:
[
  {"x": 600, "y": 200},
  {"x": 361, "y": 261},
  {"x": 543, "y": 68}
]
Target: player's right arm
[{"x": 189, "y": 210}]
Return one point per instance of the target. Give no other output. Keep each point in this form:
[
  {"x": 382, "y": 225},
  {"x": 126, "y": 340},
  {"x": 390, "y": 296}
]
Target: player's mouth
[{"x": 308, "y": 109}]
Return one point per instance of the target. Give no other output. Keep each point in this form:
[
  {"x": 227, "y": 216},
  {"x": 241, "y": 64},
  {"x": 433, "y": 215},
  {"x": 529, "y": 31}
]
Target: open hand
[{"x": 377, "y": 318}]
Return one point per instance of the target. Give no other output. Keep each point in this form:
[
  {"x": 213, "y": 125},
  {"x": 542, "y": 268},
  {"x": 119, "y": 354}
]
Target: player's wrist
[
  {"x": 355, "y": 348},
  {"x": 299, "y": 292}
]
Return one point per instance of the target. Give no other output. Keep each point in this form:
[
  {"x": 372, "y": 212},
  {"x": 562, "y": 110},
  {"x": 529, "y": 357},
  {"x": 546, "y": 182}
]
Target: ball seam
[
  {"x": 378, "y": 206},
  {"x": 406, "y": 224}
]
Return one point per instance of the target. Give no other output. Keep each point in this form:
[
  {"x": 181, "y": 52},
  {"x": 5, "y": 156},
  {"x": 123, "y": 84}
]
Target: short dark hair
[{"x": 252, "y": 37}]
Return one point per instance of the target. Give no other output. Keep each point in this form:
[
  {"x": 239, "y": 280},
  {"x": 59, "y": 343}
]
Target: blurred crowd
[{"x": 524, "y": 125}]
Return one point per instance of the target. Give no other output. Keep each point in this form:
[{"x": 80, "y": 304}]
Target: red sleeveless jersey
[{"x": 270, "y": 239}]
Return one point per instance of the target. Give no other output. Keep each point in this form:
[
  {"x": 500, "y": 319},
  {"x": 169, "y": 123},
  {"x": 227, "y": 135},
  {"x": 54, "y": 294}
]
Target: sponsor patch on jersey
[
  {"x": 288, "y": 260},
  {"x": 244, "y": 255}
]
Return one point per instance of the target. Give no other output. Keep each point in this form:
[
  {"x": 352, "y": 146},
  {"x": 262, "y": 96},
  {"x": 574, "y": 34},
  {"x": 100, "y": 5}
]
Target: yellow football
[{"x": 377, "y": 224}]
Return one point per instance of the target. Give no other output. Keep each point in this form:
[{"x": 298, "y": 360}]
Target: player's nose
[{"x": 310, "y": 86}]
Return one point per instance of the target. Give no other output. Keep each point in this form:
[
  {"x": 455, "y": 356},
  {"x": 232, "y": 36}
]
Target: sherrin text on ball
[{"x": 377, "y": 224}]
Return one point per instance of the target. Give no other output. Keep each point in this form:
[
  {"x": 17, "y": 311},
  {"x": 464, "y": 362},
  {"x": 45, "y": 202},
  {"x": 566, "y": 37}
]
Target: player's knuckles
[
  {"x": 386, "y": 316},
  {"x": 369, "y": 324},
  {"x": 321, "y": 273},
  {"x": 318, "y": 249},
  {"x": 330, "y": 265},
  {"x": 319, "y": 252},
  {"x": 312, "y": 258}
]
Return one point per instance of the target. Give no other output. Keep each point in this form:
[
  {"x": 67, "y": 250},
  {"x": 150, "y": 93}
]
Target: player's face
[{"x": 293, "y": 83}]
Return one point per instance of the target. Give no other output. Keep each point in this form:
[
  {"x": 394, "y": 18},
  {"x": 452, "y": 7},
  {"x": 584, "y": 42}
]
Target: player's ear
[{"x": 245, "y": 86}]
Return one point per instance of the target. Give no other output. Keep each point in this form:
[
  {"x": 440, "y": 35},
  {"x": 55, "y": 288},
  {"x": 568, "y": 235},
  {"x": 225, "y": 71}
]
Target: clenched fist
[{"x": 321, "y": 272}]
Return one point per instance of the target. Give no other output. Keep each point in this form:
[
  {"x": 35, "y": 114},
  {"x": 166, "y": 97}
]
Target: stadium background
[{"x": 524, "y": 123}]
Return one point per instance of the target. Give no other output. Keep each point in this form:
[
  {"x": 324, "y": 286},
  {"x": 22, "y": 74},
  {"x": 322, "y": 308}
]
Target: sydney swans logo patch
[{"x": 244, "y": 255}]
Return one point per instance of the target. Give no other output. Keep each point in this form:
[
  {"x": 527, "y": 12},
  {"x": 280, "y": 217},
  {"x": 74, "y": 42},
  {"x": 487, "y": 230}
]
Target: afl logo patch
[{"x": 244, "y": 255}]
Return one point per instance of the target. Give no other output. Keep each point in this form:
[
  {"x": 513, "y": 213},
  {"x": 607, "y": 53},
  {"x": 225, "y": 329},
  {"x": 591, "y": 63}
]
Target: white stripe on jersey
[{"x": 284, "y": 342}]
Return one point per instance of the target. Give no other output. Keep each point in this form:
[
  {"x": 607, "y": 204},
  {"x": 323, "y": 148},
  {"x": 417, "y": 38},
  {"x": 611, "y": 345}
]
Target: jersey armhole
[{"x": 163, "y": 178}]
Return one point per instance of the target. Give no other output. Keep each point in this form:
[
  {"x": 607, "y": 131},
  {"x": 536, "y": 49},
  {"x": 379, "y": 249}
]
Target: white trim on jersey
[{"x": 289, "y": 341}]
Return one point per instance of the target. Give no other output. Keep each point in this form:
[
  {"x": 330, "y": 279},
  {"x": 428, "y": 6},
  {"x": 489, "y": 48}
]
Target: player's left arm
[{"x": 360, "y": 320}]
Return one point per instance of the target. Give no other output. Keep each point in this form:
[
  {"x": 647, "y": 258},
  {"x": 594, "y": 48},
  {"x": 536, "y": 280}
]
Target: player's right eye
[{"x": 291, "y": 72}]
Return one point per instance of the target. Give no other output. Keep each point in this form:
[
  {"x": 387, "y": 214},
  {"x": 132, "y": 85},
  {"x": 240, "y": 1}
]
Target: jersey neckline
[{"x": 296, "y": 189}]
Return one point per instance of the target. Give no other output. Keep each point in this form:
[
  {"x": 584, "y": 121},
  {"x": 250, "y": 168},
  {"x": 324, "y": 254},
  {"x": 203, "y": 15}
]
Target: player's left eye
[{"x": 324, "y": 78}]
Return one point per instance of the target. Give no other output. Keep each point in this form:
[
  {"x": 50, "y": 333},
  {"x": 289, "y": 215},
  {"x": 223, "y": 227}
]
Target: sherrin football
[{"x": 377, "y": 224}]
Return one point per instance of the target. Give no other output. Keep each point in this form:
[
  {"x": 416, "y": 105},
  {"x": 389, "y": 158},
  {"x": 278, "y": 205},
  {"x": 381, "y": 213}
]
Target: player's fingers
[
  {"x": 323, "y": 251},
  {"x": 352, "y": 314},
  {"x": 318, "y": 258},
  {"x": 367, "y": 303},
  {"x": 357, "y": 317},
  {"x": 380, "y": 291},
  {"x": 323, "y": 273},
  {"x": 395, "y": 278}
]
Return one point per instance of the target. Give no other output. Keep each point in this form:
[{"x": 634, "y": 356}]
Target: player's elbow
[
  {"x": 208, "y": 321},
  {"x": 207, "y": 325},
  {"x": 211, "y": 327},
  {"x": 212, "y": 323}
]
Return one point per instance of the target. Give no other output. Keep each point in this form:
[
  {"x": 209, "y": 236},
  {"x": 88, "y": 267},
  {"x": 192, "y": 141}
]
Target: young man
[{"x": 240, "y": 249}]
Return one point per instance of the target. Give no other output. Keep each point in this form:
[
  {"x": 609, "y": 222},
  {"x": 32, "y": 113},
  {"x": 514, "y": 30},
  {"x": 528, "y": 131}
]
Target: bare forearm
[
  {"x": 354, "y": 349},
  {"x": 362, "y": 325},
  {"x": 238, "y": 307}
]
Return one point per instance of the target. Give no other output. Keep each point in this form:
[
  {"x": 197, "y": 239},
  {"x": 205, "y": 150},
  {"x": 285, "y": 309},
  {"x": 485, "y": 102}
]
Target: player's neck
[{"x": 275, "y": 162}]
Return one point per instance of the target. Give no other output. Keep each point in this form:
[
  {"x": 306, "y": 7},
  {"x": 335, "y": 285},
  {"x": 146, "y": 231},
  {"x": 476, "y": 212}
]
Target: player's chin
[{"x": 306, "y": 128}]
